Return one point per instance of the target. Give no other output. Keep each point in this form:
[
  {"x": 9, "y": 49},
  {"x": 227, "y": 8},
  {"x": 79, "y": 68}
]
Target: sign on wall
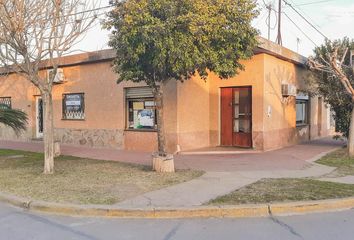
[
  {"x": 73, "y": 101},
  {"x": 73, "y": 106}
]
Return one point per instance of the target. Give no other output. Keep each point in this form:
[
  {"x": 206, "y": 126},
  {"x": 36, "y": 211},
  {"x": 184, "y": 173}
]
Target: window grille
[
  {"x": 74, "y": 106},
  {"x": 5, "y": 102}
]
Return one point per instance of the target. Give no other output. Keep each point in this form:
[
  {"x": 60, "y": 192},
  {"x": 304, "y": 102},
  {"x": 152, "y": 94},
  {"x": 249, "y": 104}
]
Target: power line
[
  {"x": 269, "y": 8},
  {"x": 298, "y": 6},
  {"x": 314, "y": 27},
  {"x": 260, "y": 18},
  {"x": 89, "y": 10},
  {"x": 79, "y": 13},
  {"x": 312, "y": 3},
  {"x": 309, "y": 18},
  {"x": 286, "y": 15},
  {"x": 82, "y": 12},
  {"x": 297, "y": 28}
]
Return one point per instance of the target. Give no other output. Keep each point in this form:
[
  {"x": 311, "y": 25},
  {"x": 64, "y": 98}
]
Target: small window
[
  {"x": 301, "y": 112},
  {"x": 302, "y": 108},
  {"x": 73, "y": 106},
  {"x": 5, "y": 102},
  {"x": 141, "y": 111}
]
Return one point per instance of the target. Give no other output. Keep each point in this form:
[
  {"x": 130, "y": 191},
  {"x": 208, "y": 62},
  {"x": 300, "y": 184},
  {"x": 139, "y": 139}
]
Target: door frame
[
  {"x": 220, "y": 113},
  {"x": 38, "y": 133}
]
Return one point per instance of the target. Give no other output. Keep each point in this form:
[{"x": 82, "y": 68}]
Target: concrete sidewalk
[
  {"x": 345, "y": 179},
  {"x": 214, "y": 184}
]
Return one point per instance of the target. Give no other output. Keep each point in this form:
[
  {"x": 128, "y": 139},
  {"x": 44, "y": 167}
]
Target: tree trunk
[
  {"x": 161, "y": 162},
  {"x": 351, "y": 136},
  {"x": 160, "y": 124},
  {"x": 48, "y": 133}
]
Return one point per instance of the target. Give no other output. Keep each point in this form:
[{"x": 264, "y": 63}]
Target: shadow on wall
[
  {"x": 193, "y": 113},
  {"x": 280, "y": 112}
]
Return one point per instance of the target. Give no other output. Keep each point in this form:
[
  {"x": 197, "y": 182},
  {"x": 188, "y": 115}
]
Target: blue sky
[{"x": 334, "y": 18}]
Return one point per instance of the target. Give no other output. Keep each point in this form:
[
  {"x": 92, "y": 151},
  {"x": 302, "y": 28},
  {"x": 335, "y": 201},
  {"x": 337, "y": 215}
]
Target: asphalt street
[{"x": 16, "y": 224}]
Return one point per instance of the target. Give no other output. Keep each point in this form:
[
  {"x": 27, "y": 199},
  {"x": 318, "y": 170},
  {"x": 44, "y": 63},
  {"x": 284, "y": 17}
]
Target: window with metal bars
[
  {"x": 5, "y": 102},
  {"x": 74, "y": 106}
]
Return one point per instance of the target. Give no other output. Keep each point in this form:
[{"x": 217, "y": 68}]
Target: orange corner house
[{"x": 264, "y": 107}]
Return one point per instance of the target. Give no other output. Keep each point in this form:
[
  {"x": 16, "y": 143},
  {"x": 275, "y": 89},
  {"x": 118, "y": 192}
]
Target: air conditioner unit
[
  {"x": 288, "y": 90},
  {"x": 59, "y": 76}
]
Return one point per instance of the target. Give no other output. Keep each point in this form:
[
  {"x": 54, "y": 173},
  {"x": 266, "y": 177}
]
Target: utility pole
[
  {"x": 279, "y": 40},
  {"x": 269, "y": 7}
]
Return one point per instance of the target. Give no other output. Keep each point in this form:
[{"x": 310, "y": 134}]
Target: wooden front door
[{"x": 236, "y": 117}]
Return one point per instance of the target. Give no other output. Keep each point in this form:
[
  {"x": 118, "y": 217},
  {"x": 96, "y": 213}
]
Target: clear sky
[{"x": 334, "y": 18}]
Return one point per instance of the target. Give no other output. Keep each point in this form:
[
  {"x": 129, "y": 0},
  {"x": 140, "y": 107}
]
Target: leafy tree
[
  {"x": 162, "y": 40},
  {"x": 334, "y": 81},
  {"x": 13, "y": 118}
]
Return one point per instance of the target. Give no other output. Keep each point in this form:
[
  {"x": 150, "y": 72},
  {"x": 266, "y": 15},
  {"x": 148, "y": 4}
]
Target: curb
[
  {"x": 157, "y": 213},
  {"x": 238, "y": 211},
  {"x": 321, "y": 206},
  {"x": 15, "y": 201}
]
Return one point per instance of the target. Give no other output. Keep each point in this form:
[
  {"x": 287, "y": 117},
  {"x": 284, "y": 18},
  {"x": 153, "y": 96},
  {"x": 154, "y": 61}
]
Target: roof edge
[
  {"x": 264, "y": 46},
  {"x": 271, "y": 48},
  {"x": 72, "y": 60}
]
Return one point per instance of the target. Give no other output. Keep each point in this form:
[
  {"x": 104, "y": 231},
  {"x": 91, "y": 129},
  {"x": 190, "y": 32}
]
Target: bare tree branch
[
  {"x": 333, "y": 67},
  {"x": 32, "y": 31},
  {"x": 339, "y": 73},
  {"x": 34, "y": 35}
]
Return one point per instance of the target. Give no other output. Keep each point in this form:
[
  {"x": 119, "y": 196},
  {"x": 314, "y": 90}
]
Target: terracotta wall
[
  {"x": 170, "y": 115},
  {"x": 280, "y": 114},
  {"x": 193, "y": 113},
  {"x": 273, "y": 116},
  {"x": 280, "y": 126},
  {"x": 253, "y": 76},
  {"x": 198, "y": 110},
  {"x": 104, "y": 121},
  {"x": 192, "y": 108},
  {"x": 103, "y": 100},
  {"x": 22, "y": 97}
]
